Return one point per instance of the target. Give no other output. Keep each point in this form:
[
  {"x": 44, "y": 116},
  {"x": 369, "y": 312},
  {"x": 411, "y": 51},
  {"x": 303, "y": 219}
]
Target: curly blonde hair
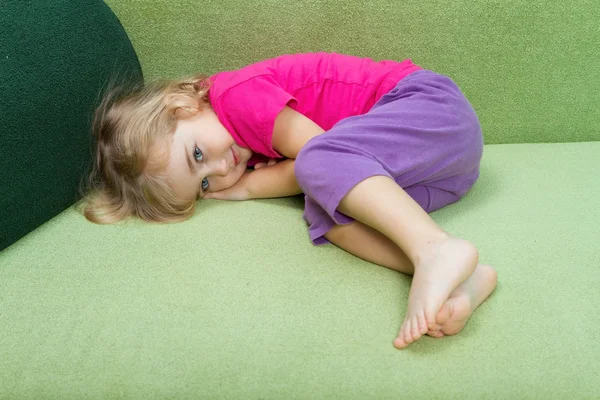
[{"x": 133, "y": 132}]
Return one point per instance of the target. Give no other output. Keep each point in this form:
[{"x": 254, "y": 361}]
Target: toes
[
  {"x": 412, "y": 329},
  {"x": 415, "y": 329},
  {"x": 422, "y": 324},
  {"x": 435, "y": 334},
  {"x": 403, "y": 339},
  {"x": 443, "y": 315},
  {"x": 434, "y": 328},
  {"x": 430, "y": 319},
  {"x": 407, "y": 335},
  {"x": 399, "y": 343}
]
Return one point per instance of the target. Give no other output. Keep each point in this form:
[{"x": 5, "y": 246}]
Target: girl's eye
[
  {"x": 198, "y": 154},
  {"x": 205, "y": 184}
]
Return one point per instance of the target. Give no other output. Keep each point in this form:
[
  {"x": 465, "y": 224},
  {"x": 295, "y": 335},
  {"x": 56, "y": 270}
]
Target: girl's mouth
[{"x": 236, "y": 158}]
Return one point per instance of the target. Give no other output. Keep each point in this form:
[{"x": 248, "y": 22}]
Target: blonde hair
[{"x": 133, "y": 133}]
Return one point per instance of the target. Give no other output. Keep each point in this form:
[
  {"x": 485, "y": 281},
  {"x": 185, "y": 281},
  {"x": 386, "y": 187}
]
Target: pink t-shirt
[{"x": 325, "y": 87}]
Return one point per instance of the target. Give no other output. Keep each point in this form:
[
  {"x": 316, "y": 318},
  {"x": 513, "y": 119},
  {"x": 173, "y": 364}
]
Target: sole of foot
[{"x": 462, "y": 303}]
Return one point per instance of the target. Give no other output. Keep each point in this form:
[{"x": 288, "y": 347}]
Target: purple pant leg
[{"x": 423, "y": 134}]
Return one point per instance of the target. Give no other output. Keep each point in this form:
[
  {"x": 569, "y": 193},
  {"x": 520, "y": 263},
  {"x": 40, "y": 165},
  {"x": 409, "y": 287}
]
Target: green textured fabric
[
  {"x": 55, "y": 58},
  {"x": 530, "y": 67},
  {"x": 236, "y": 303}
]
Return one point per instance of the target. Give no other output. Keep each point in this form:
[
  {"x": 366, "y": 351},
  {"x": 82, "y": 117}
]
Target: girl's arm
[
  {"x": 291, "y": 132},
  {"x": 276, "y": 180}
]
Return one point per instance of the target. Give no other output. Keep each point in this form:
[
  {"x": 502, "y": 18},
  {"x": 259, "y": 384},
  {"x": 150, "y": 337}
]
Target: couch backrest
[{"x": 530, "y": 67}]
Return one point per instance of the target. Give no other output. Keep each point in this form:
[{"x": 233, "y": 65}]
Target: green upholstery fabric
[
  {"x": 237, "y": 304},
  {"x": 530, "y": 67},
  {"x": 55, "y": 57}
]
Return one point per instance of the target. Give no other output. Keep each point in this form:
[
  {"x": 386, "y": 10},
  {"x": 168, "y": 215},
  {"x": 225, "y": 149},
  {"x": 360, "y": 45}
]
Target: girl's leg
[
  {"x": 365, "y": 242},
  {"x": 441, "y": 262},
  {"x": 423, "y": 133},
  {"x": 370, "y": 245}
]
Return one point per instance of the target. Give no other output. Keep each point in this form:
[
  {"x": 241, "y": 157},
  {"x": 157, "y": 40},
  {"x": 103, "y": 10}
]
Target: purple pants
[{"x": 423, "y": 133}]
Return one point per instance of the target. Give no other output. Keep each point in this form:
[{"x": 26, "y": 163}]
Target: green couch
[{"x": 235, "y": 303}]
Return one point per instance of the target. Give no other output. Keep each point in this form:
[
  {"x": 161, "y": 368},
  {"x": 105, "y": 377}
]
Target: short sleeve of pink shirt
[{"x": 325, "y": 87}]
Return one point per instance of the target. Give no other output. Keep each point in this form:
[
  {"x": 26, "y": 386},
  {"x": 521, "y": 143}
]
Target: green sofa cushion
[
  {"x": 55, "y": 59},
  {"x": 530, "y": 67},
  {"x": 236, "y": 303}
]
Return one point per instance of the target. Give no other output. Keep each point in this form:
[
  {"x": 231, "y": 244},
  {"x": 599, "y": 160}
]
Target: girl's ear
[
  {"x": 200, "y": 84},
  {"x": 185, "y": 105},
  {"x": 185, "y": 112}
]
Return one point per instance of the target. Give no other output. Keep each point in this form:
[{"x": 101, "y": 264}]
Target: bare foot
[
  {"x": 455, "y": 312},
  {"x": 447, "y": 264}
]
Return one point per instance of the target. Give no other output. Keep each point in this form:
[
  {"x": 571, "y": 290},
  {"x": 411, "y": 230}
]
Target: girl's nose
[{"x": 221, "y": 168}]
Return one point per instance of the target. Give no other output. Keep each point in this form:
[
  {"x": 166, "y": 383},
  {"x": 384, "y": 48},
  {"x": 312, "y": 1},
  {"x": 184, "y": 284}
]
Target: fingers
[{"x": 260, "y": 165}]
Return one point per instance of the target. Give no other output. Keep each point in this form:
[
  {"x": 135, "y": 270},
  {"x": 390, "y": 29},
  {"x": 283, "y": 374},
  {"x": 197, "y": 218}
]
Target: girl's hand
[
  {"x": 238, "y": 192},
  {"x": 278, "y": 180},
  {"x": 271, "y": 161}
]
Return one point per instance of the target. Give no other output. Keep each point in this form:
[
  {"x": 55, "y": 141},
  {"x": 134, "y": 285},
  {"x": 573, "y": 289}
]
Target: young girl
[{"x": 374, "y": 146}]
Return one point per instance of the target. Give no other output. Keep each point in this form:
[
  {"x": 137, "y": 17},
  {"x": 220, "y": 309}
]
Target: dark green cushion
[{"x": 55, "y": 59}]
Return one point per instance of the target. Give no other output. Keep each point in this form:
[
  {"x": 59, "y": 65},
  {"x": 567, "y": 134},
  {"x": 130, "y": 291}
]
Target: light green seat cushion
[{"x": 236, "y": 303}]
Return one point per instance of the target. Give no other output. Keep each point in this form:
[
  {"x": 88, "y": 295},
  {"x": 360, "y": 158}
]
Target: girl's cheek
[{"x": 223, "y": 183}]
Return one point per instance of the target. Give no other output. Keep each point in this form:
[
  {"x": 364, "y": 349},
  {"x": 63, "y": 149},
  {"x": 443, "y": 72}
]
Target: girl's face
[{"x": 204, "y": 157}]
